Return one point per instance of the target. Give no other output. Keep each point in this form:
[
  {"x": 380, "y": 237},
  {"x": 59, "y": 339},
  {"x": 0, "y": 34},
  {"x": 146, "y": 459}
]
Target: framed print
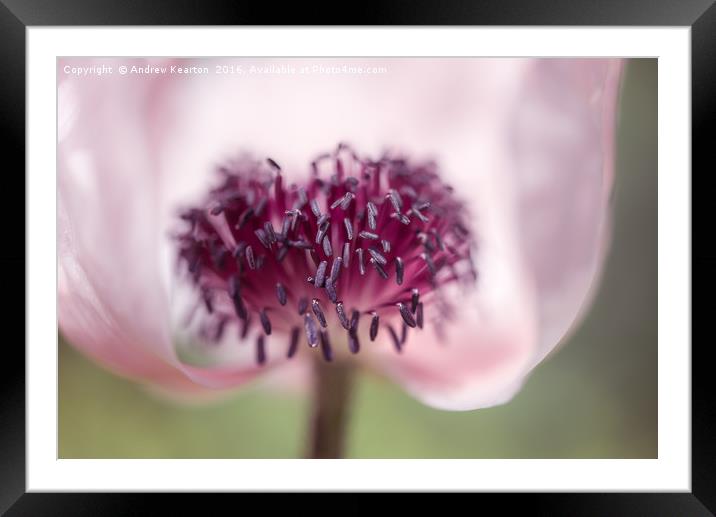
[{"x": 369, "y": 258}]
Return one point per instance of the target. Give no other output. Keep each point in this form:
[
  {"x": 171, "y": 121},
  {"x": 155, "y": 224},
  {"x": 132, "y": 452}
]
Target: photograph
[{"x": 357, "y": 257}]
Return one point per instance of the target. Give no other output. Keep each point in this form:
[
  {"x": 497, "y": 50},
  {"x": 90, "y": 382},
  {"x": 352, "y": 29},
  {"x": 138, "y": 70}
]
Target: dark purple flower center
[{"x": 360, "y": 245}]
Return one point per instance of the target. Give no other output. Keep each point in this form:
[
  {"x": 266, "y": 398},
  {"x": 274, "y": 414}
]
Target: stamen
[
  {"x": 395, "y": 338},
  {"x": 340, "y": 310},
  {"x": 250, "y": 257},
  {"x": 293, "y": 342},
  {"x": 311, "y": 331},
  {"x": 349, "y": 228},
  {"x": 353, "y": 343},
  {"x": 347, "y": 198},
  {"x": 369, "y": 235},
  {"x": 344, "y": 201},
  {"x": 326, "y": 347},
  {"x": 270, "y": 233},
  {"x": 401, "y": 217},
  {"x": 301, "y": 244},
  {"x": 361, "y": 264},
  {"x": 346, "y": 255},
  {"x": 302, "y": 197},
  {"x": 335, "y": 269},
  {"x": 327, "y": 249},
  {"x": 372, "y": 222},
  {"x": 245, "y": 325},
  {"x": 429, "y": 261},
  {"x": 377, "y": 256},
  {"x": 331, "y": 291},
  {"x": 355, "y": 316},
  {"x": 244, "y": 218},
  {"x": 403, "y": 333},
  {"x": 240, "y": 249},
  {"x": 414, "y": 298},
  {"x": 239, "y": 306},
  {"x": 375, "y": 320},
  {"x": 322, "y": 230},
  {"x": 379, "y": 269},
  {"x": 260, "y": 350},
  {"x": 316, "y": 306},
  {"x": 321, "y": 274},
  {"x": 285, "y": 225},
  {"x": 253, "y": 198},
  {"x": 302, "y": 305},
  {"x": 419, "y": 215},
  {"x": 281, "y": 254},
  {"x": 281, "y": 293},
  {"x": 323, "y": 219},
  {"x": 265, "y": 322},
  {"x": 234, "y": 286},
  {"x": 372, "y": 209},
  {"x": 406, "y": 314},
  {"x": 263, "y": 238},
  {"x": 395, "y": 200}
]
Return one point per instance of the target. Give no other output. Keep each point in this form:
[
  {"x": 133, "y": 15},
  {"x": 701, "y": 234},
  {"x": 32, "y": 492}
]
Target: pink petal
[
  {"x": 482, "y": 355},
  {"x": 112, "y": 301},
  {"x": 530, "y": 141},
  {"x": 563, "y": 137},
  {"x": 541, "y": 212}
]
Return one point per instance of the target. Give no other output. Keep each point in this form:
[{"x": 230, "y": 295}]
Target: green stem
[{"x": 330, "y": 408}]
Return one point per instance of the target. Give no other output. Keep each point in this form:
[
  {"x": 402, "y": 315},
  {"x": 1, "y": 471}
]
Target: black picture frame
[{"x": 16, "y": 15}]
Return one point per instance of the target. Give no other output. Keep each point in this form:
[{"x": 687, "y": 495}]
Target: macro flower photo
[{"x": 356, "y": 257}]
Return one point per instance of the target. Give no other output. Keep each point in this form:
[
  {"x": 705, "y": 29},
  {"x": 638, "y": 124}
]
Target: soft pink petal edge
[
  {"x": 111, "y": 301},
  {"x": 564, "y": 136},
  {"x": 485, "y": 363}
]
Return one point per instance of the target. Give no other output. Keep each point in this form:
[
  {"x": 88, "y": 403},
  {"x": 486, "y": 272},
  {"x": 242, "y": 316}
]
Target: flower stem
[{"x": 330, "y": 408}]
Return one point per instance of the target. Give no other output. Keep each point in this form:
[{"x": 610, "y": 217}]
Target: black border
[{"x": 16, "y": 15}]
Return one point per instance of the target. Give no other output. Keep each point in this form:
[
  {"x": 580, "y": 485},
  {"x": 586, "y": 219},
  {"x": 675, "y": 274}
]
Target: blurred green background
[{"x": 595, "y": 398}]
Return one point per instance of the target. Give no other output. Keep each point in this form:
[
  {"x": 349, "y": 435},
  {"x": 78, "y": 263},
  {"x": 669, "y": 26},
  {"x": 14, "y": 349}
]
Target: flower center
[{"x": 362, "y": 247}]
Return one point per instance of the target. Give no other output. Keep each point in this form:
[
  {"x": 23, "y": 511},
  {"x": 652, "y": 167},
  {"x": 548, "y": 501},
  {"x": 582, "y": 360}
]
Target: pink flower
[{"x": 527, "y": 145}]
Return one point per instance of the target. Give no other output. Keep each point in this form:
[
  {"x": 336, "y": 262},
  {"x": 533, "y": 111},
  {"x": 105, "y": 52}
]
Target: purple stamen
[
  {"x": 375, "y": 320},
  {"x": 250, "y": 257},
  {"x": 316, "y": 306},
  {"x": 331, "y": 291},
  {"x": 326, "y": 349},
  {"x": 265, "y": 322},
  {"x": 302, "y": 305},
  {"x": 320, "y": 274},
  {"x": 260, "y": 350},
  {"x": 281, "y": 293},
  {"x": 349, "y": 228},
  {"x": 399, "y": 270},
  {"x": 396, "y": 340},
  {"x": 327, "y": 249},
  {"x": 406, "y": 314},
  {"x": 293, "y": 342},
  {"x": 335, "y": 269},
  {"x": 431, "y": 235},
  {"x": 311, "y": 331},
  {"x": 347, "y": 255},
  {"x": 340, "y": 310},
  {"x": 369, "y": 235}
]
